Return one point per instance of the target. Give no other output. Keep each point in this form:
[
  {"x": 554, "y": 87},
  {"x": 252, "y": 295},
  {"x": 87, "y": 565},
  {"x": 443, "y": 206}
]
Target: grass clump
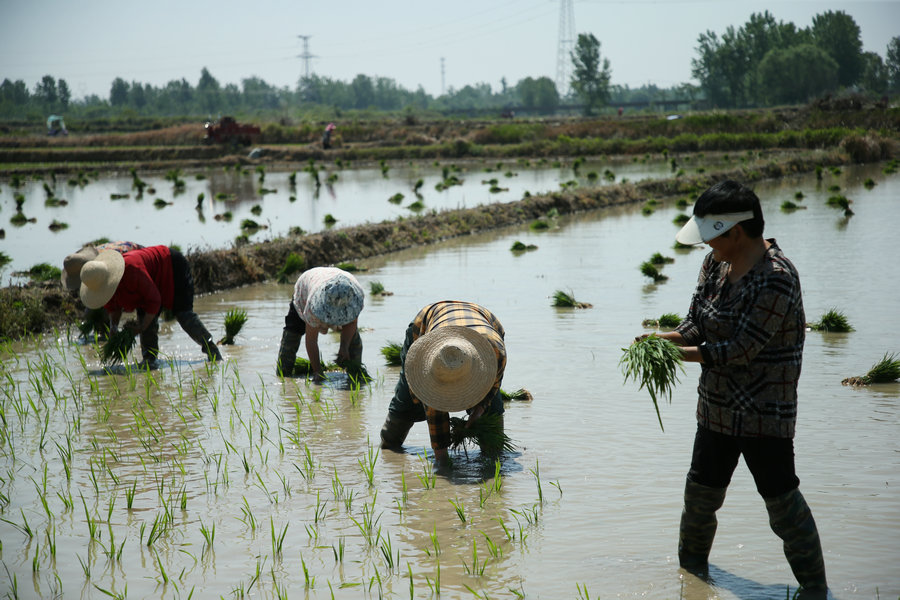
[
  {"x": 832, "y": 321},
  {"x": 666, "y": 320},
  {"x": 522, "y": 247},
  {"x": 887, "y": 370},
  {"x": 292, "y": 264},
  {"x": 486, "y": 432},
  {"x": 563, "y": 299},
  {"x": 653, "y": 361},
  {"x": 391, "y": 354},
  {"x": 43, "y": 272},
  {"x": 648, "y": 269},
  {"x": 234, "y": 321},
  {"x": 117, "y": 346}
]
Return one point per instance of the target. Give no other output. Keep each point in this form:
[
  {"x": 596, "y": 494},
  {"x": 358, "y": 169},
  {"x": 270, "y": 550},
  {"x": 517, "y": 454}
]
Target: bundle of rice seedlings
[
  {"x": 356, "y": 370},
  {"x": 94, "y": 321},
  {"x": 648, "y": 269},
  {"x": 117, "y": 346},
  {"x": 391, "y": 354},
  {"x": 680, "y": 219},
  {"x": 788, "y": 206},
  {"x": 653, "y": 361},
  {"x": 486, "y": 431},
  {"x": 396, "y": 198},
  {"x": 833, "y": 321},
  {"x": 520, "y": 394},
  {"x": 522, "y": 247},
  {"x": 234, "y": 320},
  {"x": 302, "y": 367},
  {"x": 840, "y": 201},
  {"x": 887, "y": 370},
  {"x": 563, "y": 300},
  {"x": 659, "y": 259},
  {"x": 666, "y": 320}
]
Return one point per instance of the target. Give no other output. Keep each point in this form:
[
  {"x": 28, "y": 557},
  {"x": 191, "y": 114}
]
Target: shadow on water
[{"x": 747, "y": 589}]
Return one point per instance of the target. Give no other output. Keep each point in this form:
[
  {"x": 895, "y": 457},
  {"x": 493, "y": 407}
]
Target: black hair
[{"x": 729, "y": 196}]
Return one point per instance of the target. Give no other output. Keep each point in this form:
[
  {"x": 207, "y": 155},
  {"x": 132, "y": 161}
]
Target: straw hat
[
  {"x": 71, "y": 274},
  {"x": 451, "y": 368},
  {"x": 337, "y": 301},
  {"x": 100, "y": 278}
]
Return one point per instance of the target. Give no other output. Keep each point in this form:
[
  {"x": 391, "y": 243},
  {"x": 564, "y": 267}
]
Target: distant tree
[
  {"x": 64, "y": 94},
  {"x": 720, "y": 68},
  {"x": 118, "y": 92},
  {"x": 796, "y": 74},
  {"x": 363, "y": 91},
  {"x": 45, "y": 92},
  {"x": 837, "y": 33},
  {"x": 136, "y": 96},
  {"x": 538, "y": 94},
  {"x": 875, "y": 73},
  {"x": 590, "y": 75},
  {"x": 208, "y": 92},
  {"x": 892, "y": 62},
  {"x": 260, "y": 94},
  {"x": 14, "y": 93}
]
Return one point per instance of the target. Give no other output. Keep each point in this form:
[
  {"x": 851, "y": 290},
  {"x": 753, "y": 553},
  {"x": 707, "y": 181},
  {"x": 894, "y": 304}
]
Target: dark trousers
[{"x": 770, "y": 460}]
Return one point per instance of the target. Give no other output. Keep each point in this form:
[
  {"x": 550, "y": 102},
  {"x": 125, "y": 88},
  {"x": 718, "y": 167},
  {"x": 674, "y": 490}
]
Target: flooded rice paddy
[{"x": 227, "y": 482}]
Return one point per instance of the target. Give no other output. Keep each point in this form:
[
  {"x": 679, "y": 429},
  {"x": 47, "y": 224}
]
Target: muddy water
[
  {"x": 230, "y": 442},
  {"x": 354, "y": 197}
]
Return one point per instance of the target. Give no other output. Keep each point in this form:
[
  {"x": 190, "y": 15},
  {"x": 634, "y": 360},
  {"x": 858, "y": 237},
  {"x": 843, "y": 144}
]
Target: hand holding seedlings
[{"x": 653, "y": 360}]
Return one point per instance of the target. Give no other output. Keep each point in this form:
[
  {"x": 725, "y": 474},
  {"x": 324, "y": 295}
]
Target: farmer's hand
[
  {"x": 343, "y": 356},
  {"x": 641, "y": 337},
  {"x": 475, "y": 415}
]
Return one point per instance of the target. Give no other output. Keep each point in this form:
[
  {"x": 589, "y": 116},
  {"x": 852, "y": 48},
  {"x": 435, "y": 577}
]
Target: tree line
[{"x": 764, "y": 62}]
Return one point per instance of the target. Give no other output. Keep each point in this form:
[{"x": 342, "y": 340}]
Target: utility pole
[
  {"x": 442, "y": 77},
  {"x": 565, "y": 46},
  {"x": 305, "y": 55}
]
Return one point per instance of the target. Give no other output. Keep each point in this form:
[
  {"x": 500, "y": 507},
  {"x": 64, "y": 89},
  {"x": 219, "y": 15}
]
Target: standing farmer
[{"x": 746, "y": 328}]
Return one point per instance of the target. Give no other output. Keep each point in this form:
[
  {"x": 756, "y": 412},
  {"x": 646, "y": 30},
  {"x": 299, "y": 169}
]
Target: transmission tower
[
  {"x": 565, "y": 47},
  {"x": 442, "y": 77},
  {"x": 305, "y": 55}
]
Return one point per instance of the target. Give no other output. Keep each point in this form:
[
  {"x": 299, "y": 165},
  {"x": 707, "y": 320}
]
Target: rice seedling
[
  {"x": 376, "y": 288},
  {"x": 329, "y": 220},
  {"x": 659, "y": 259},
  {"x": 117, "y": 346},
  {"x": 459, "y": 508},
  {"x": 539, "y": 225},
  {"x": 788, "y": 206},
  {"x": 653, "y": 361},
  {"x": 887, "y": 370},
  {"x": 368, "y": 464},
  {"x": 680, "y": 219},
  {"x": 648, "y": 269},
  {"x": 522, "y": 247},
  {"x": 391, "y": 354},
  {"x": 869, "y": 183},
  {"x": 562, "y": 299},
  {"x": 666, "y": 320},
  {"x": 418, "y": 185},
  {"x": 832, "y": 321},
  {"x": 396, "y": 198},
  {"x": 486, "y": 432},
  {"x": 520, "y": 394},
  {"x": 416, "y": 206},
  {"x": 292, "y": 264},
  {"x": 840, "y": 201},
  {"x": 234, "y": 321}
]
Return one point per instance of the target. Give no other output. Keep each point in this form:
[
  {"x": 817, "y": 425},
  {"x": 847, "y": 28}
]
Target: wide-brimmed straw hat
[
  {"x": 100, "y": 278},
  {"x": 337, "y": 301},
  {"x": 451, "y": 368},
  {"x": 71, "y": 273},
  {"x": 702, "y": 229}
]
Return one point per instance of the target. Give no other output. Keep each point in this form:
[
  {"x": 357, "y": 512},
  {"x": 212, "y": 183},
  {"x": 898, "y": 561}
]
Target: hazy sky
[{"x": 89, "y": 43}]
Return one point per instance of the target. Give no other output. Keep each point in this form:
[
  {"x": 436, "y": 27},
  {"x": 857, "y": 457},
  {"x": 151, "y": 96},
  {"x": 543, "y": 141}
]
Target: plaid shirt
[
  {"x": 466, "y": 314},
  {"x": 751, "y": 336}
]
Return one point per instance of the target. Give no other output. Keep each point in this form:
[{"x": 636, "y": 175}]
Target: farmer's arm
[
  {"x": 347, "y": 333},
  {"x": 312, "y": 351},
  {"x": 439, "y": 431}
]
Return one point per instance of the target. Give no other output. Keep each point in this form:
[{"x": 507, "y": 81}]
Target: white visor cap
[{"x": 702, "y": 229}]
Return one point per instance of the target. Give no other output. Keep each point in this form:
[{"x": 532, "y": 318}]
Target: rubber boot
[
  {"x": 150, "y": 345},
  {"x": 193, "y": 326},
  {"x": 698, "y": 526},
  {"x": 287, "y": 352},
  {"x": 394, "y": 431},
  {"x": 792, "y": 521}
]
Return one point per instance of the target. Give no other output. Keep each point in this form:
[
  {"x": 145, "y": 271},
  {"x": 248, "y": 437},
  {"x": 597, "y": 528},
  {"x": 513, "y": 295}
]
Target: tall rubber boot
[
  {"x": 698, "y": 526},
  {"x": 792, "y": 521},
  {"x": 150, "y": 345},
  {"x": 193, "y": 326},
  {"x": 394, "y": 431},
  {"x": 287, "y": 352}
]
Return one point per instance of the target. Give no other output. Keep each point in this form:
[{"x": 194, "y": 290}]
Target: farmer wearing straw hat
[
  {"x": 746, "y": 327},
  {"x": 145, "y": 280},
  {"x": 452, "y": 359},
  {"x": 324, "y": 298}
]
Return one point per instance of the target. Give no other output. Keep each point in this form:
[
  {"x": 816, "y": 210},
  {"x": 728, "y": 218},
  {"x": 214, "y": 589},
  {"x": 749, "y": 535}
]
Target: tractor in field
[{"x": 228, "y": 131}]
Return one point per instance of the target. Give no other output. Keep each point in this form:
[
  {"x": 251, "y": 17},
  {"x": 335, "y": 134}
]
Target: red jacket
[{"x": 147, "y": 282}]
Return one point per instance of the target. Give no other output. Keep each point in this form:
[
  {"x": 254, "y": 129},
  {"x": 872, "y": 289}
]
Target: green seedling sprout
[
  {"x": 653, "y": 361},
  {"x": 234, "y": 321},
  {"x": 117, "y": 346}
]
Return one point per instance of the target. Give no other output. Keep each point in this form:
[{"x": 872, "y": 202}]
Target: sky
[{"x": 436, "y": 45}]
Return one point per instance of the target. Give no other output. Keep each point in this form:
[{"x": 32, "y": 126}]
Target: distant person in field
[
  {"x": 326, "y": 137},
  {"x": 452, "y": 359},
  {"x": 746, "y": 327},
  {"x": 145, "y": 280},
  {"x": 324, "y": 298}
]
